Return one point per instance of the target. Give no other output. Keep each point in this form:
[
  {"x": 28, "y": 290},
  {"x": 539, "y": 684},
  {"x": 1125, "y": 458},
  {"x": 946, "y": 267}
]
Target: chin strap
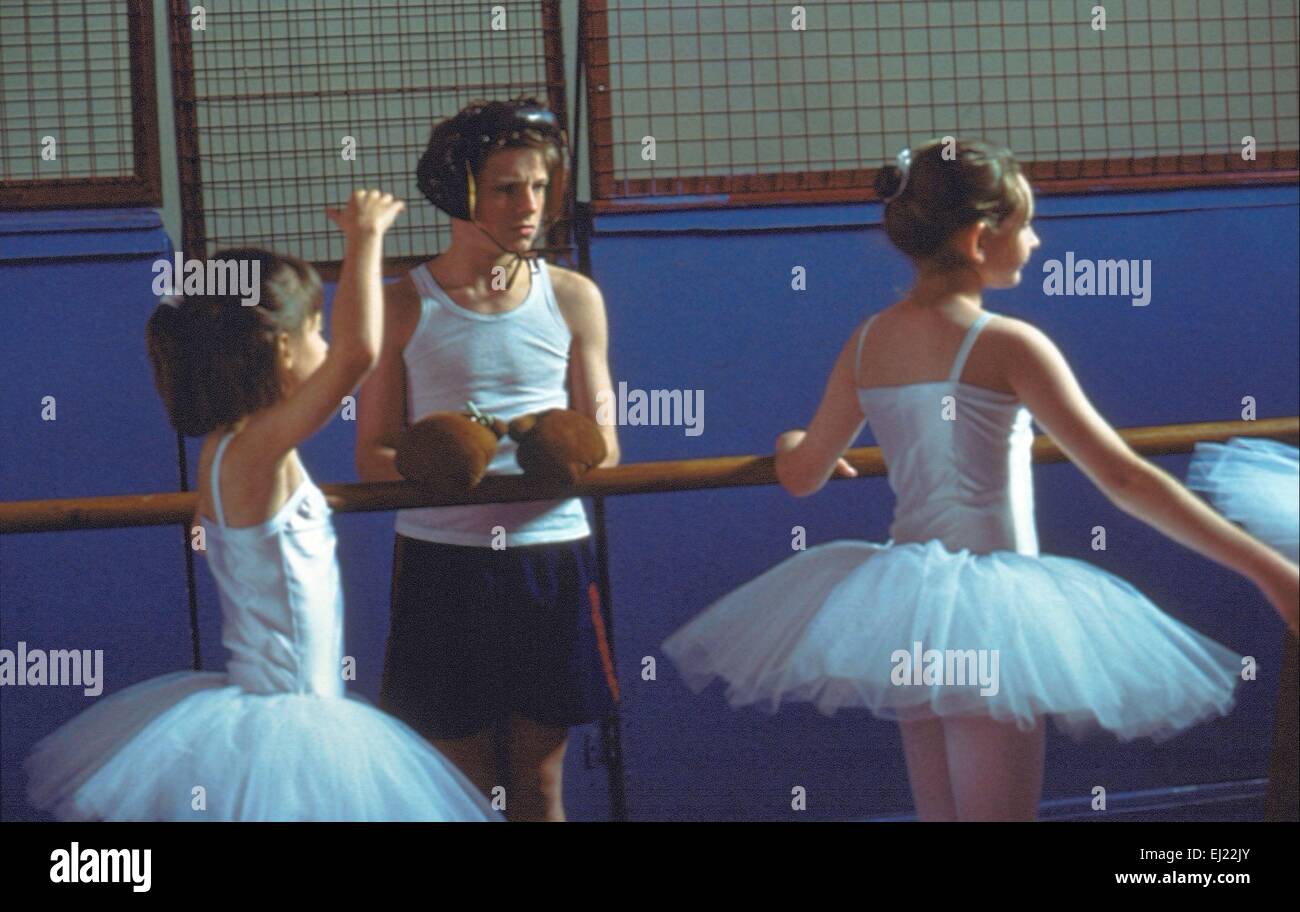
[{"x": 531, "y": 256}]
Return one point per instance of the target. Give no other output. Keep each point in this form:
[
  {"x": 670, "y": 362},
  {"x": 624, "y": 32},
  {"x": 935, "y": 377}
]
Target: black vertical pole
[
  {"x": 186, "y": 532},
  {"x": 1281, "y": 801},
  {"x": 611, "y": 729},
  {"x": 192, "y": 235}
]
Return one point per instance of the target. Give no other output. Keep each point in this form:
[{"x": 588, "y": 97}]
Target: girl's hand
[
  {"x": 843, "y": 469},
  {"x": 368, "y": 211},
  {"x": 791, "y": 439},
  {"x": 1282, "y": 587}
]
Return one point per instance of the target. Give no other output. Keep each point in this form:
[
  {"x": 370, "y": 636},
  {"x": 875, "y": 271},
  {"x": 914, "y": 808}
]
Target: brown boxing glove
[
  {"x": 557, "y": 445},
  {"x": 449, "y": 452}
]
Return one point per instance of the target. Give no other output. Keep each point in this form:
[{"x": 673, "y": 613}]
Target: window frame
[{"x": 144, "y": 186}]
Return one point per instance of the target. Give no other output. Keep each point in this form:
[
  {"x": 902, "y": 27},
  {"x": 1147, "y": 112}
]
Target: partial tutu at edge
[
  {"x": 1254, "y": 482},
  {"x": 1036, "y": 636},
  {"x": 143, "y": 754}
]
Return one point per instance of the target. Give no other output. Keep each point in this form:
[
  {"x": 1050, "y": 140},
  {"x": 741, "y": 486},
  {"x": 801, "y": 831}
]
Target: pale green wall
[{"x": 731, "y": 88}]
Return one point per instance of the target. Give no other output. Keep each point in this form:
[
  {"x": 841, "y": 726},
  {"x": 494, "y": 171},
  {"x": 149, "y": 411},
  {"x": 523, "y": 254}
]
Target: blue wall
[
  {"x": 697, "y": 300},
  {"x": 703, "y": 301},
  {"x": 74, "y": 329}
]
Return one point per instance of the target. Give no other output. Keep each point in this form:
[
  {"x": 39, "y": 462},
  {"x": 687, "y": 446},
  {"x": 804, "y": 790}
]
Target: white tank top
[
  {"x": 509, "y": 364},
  {"x": 281, "y": 600},
  {"x": 959, "y": 458}
]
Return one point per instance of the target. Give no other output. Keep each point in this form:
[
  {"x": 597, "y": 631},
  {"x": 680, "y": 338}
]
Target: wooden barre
[{"x": 127, "y": 510}]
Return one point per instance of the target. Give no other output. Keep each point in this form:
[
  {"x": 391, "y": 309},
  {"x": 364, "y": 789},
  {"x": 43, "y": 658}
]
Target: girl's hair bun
[
  {"x": 948, "y": 184},
  {"x": 888, "y": 180}
]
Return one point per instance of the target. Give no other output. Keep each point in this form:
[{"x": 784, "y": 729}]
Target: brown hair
[
  {"x": 214, "y": 359},
  {"x": 942, "y": 196}
]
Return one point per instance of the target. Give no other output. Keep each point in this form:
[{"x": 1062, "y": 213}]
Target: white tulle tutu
[
  {"x": 1256, "y": 483},
  {"x": 829, "y": 626},
  {"x": 140, "y": 754}
]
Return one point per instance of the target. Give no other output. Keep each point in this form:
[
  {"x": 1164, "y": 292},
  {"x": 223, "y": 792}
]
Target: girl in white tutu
[
  {"x": 275, "y": 737},
  {"x": 957, "y": 627}
]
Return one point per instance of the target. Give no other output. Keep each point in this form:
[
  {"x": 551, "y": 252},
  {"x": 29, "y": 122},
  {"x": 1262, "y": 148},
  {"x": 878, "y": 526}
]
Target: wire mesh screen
[
  {"x": 738, "y": 97},
  {"x": 278, "y": 92},
  {"x": 76, "y": 92}
]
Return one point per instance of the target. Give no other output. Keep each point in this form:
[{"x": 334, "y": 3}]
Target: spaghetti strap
[
  {"x": 216, "y": 478},
  {"x": 966, "y": 343},
  {"x": 862, "y": 337}
]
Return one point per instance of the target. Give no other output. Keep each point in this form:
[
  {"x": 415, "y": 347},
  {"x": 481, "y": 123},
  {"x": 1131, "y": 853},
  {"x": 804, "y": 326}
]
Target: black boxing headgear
[{"x": 460, "y": 145}]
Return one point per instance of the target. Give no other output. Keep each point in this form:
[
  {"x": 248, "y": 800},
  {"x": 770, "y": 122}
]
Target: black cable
[{"x": 189, "y": 557}]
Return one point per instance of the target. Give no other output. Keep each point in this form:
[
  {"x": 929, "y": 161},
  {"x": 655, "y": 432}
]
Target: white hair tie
[{"x": 904, "y": 160}]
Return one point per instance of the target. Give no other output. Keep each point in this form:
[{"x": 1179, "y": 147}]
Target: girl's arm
[
  {"x": 805, "y": 460},
  {"x": 357, "y": 326},
  {"x": 1044, "y": 382}
]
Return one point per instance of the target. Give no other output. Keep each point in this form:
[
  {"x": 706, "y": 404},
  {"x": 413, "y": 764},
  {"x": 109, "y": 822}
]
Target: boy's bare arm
[
  {"x": 381, "y": 401},
  {"x": 584, "y": 309}
]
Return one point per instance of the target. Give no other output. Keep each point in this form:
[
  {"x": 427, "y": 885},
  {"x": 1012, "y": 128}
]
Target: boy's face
[{"x": 511, "y": 193}]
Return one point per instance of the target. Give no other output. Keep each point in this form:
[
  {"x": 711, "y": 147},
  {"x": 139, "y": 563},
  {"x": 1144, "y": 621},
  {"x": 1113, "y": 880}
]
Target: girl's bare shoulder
[
  {"x": 1015, "y": 335},
  {"x": 250, "y": 492}
]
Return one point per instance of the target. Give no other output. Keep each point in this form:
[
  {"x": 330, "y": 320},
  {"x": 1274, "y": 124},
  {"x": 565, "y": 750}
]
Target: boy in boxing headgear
[{"x": 496, "y": 644}]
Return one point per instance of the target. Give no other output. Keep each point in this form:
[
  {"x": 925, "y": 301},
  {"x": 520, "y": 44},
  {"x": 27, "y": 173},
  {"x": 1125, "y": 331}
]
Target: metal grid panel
[
  {"x": 77, "y": 104},
  {"x": 275, "y": 87},
  {"x": 741, "y": 103}
]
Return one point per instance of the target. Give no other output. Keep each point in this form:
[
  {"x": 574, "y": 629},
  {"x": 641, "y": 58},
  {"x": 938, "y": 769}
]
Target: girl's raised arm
[
  {"x": 1042, "y": 379},
  {"x": 357, "y": 327}
]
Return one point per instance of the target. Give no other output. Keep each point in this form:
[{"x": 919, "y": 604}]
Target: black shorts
[{"x": 478, "y": 634}]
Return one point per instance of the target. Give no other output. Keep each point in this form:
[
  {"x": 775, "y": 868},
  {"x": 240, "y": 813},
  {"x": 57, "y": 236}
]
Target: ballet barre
[{"x": 121, "y": 511}]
